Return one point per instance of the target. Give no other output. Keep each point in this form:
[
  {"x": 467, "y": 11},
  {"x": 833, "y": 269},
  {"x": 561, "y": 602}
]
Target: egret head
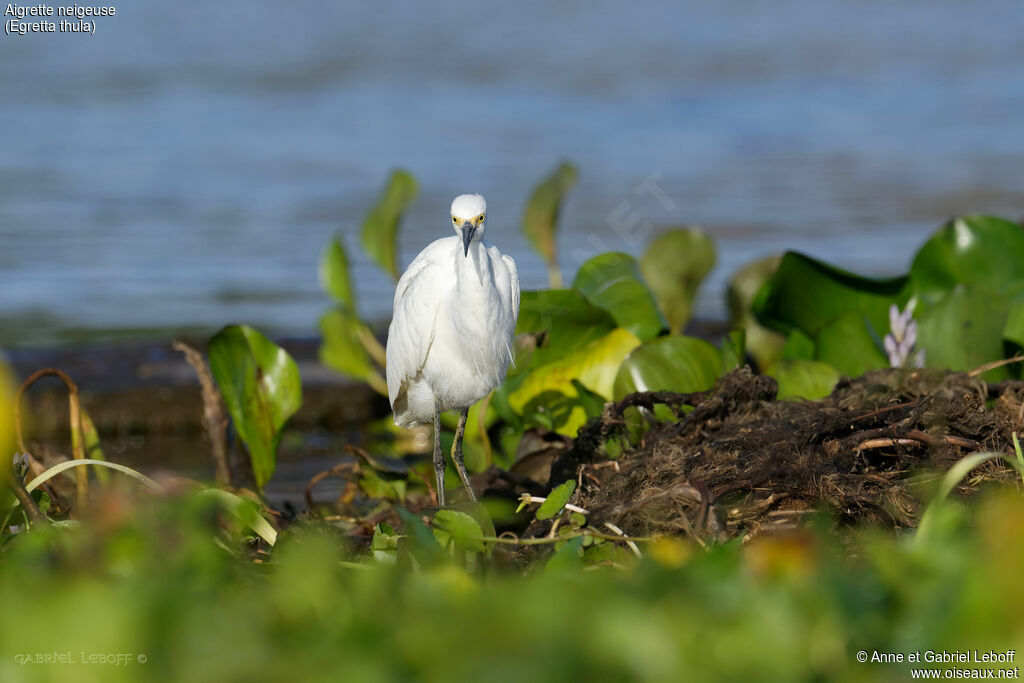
[{"x": 468, "y": 214}]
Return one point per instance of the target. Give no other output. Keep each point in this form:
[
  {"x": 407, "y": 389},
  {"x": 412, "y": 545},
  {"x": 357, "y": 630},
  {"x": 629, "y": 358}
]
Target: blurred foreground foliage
[{"x": 171, "y": 580}]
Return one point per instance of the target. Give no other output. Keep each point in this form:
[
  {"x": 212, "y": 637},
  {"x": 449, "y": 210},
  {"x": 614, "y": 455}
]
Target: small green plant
[{"x": 262, "y": 389}]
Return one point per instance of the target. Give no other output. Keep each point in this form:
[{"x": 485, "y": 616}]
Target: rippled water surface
[{"x": 183, "y": 167}]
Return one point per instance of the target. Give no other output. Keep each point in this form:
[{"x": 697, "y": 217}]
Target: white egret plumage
[{"x": 450, "y": 340}]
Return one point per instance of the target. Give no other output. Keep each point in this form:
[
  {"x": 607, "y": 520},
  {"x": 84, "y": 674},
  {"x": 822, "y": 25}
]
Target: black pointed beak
[{"x": 468, "y": 232}]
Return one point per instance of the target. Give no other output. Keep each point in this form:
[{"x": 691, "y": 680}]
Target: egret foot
[
  {"x": 438, "y": 455},
  {"x": 457, "y": 453}
]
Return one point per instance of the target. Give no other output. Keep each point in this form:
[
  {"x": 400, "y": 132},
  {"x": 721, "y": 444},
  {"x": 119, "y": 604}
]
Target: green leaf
[
  {"x": 762, "y": 344},
  {"x": 591, "y": 402},
  {"x": 458, "y": 530},
  {"x": 261, "y": 387},
  {"x": 612, "y": 281},
  {"x": 673, "y": 363},
  {"x": 384, "y": 545},
  {"x": 540, "y": 217},
  {"x": 808, "y": 379},
  {"x": 568, "y": 559},
  {"x": 806, "y": 294},
  {"x": 556, "y": 500},
  {"x": 674, "y": 265},
  {"x": 1014, "y": 330},
  {"x": 962, "y": 330},
  {"x": 341, "y": 347},
  {"x": 380, "y": 228},
  {"x": 848, "y": 345},
  {"x": 419, "y": 540},
  {"x": 595, "y": 366},
  {"x": 570, "y": 321},
  {"x": 246, "y": 511},
  {"x": 744, "y": 285},
  {"x": 798, "y": 346},
  {"x": 334, "y": 274},
  {"x": 975, "y": 250},
  {"x": 734, "y": 350}
]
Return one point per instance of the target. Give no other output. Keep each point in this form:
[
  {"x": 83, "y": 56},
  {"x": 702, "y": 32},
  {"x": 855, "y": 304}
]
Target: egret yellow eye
[
  {"x": 455, "y": 220},
  {"x": 480, "y": 218}
]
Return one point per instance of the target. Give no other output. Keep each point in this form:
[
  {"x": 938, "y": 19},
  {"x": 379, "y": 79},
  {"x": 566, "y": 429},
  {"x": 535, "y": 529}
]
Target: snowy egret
[{"x": 450, "y": 340}]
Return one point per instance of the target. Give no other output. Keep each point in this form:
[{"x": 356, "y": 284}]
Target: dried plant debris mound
[{"x": 741, "y": 462}]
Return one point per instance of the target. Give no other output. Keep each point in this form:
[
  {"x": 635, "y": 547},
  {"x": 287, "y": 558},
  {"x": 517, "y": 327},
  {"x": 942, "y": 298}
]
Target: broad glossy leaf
[
  {"x": 673, "y": 363},
  {"x": 459, "y": 530},
  {"x": 734, "y": 350},
  {"x": 762, "y": 344},
  {"x": 974, "y": 250},
  {"x": 807, "y": 294},
  {"x": 808, "y": 379},
  {"x": 963, "y": 330},
  {"x": 569, "y": 320},
  {"x": 798, "y": 346},
  {"x": 556, "y": 500},
  {"x": 848, "y": 345},
  {"x": 540, "y": 217},
  {"x": 419, "y": 541},
  {"x": 342, "y": 350},
  {"x": 613, "y": 282},
  {"x": 1014, "y": 330},
  {"x": 380, "y": 228},
  {"x": 334, "y": 274},
  {"x": 673, "y": 266},
  {"x": 595, "y": 366},
  {"x": 261, "y": 387}
]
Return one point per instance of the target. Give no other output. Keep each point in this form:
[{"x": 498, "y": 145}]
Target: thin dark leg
[
  {"x": 457, "y": 453},
  {"x": 438, "y": 455}
]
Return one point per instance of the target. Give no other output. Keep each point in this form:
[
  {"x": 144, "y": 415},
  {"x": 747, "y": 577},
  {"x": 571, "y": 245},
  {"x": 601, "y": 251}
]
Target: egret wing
[{"x": 412, "y": 325}]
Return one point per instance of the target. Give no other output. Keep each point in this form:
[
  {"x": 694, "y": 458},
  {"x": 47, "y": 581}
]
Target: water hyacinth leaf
[
  {"x": 763, "y": 345},
  {"x": 807, "y": 379},
  {"x": 384, "y": 545},
  {"x": 1014, "y": 330},
  {"x": 379, "y": 234},
  {"x": 341, "y": 348},
  {"x": 673, "y": 266},
  {"x": 568, "y": 559},
  {"x": 568, "y": 319},
  {"x": 595, "y": 366},
  {"x": 734, "y": 350},
  {"x": 556, "y": 500},
  {"x": 419, "y": 541},
  {"x": 335, "y": 277},
  {"x": 458, "y": 530},
  {"x": 612, "y": 281},
  {"x": 540, "y": 216},
  {"x": 591, "y": 402},
  {"x": 848, "y": 344},
  {"x": 962, "y": 330},
  {"x": 261, "y": 386},
  {"x": 807, "y": 294},
  {"x": 975, "y": 250},
  {"x": 798, "y": 346},
  {"x": 673, "y": 363}
]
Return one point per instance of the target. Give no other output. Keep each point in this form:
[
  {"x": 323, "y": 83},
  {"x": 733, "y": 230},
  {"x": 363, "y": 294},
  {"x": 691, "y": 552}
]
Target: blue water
[{"x": 183, "y": 167}]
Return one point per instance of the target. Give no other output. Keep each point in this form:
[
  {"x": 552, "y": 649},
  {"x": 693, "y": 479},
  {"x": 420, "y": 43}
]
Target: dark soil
[{"x": 741, "y": 462}]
